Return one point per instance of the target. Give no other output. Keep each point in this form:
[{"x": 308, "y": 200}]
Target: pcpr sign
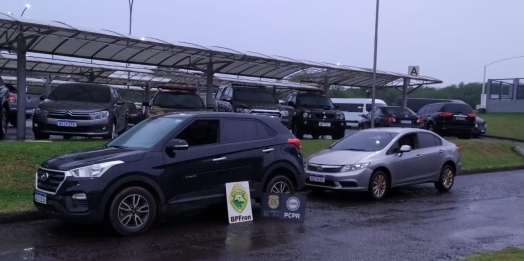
[
  {"x": 284, "y": 206},
  {"x": 238, "y": 202},
  {"x": 413, "y": 70}
]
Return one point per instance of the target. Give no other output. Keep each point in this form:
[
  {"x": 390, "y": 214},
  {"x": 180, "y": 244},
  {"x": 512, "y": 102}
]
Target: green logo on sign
[{"x": 238, "y": 198}]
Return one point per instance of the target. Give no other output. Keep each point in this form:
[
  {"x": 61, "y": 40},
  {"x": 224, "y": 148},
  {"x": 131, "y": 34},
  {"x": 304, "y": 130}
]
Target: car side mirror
[
  {"x": 120, "y": 102},
  {"x": 405, "y": 148},
  {"x": 291, "y": 103},
  {"x": 43, "y": 97},
  {"x": 177, "y": 144},
  {"x": 363, "y": 115}
]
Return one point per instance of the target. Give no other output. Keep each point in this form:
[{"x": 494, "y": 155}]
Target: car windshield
[
  {"x": 146, "y": 134},
  {"x": 254, "y": 95},
  {"x": 365, "y": 141},
  {"x": 81, "y": 93},
  {"x": 458, "y": 108},
  {"x": 178, "y": 100},
  {"x": 397, "y": 111},
  {"x": 314, "y": 100}
]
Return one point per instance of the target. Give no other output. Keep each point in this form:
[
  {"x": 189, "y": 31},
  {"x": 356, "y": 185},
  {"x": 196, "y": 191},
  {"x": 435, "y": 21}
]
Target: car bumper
[
  {"x": 457, "y": 129},
  {"x": 62, "y": 205},
  {"x": 357, "y": 180},
  {"x": 479, "y": 131},
  {"x": 313, "y": 126},
  {"x": 352, "y": 124},
  {"x": 100, "y": 127}
]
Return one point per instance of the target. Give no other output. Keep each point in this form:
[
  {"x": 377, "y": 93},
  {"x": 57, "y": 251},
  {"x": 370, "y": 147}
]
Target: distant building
[{"x": 504, "y": 95}]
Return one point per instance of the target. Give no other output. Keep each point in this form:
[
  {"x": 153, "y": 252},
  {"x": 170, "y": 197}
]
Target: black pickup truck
[{"x": 32, "y": 101}]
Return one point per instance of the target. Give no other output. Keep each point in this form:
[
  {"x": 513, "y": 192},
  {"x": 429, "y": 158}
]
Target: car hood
[
  {"x": 338, "y": 157},
  {"x": 259, "y": 105},
  {"x": 156, "y": 110},
  {"x": 73, "y": 106},
  {"x": 317, "y": 110},
  {"x": 87, "y": 157}
]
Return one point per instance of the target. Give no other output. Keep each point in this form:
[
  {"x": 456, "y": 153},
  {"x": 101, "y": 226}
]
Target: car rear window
[
  {"x": 458, "y": 108},
  {"x": 397, "y": 111},
  {"x": 178, "y": 100},
  {"x": 351, "y": 107},
  {"x": 377, "y": 105},
  {"x": 82, "y": 93}
]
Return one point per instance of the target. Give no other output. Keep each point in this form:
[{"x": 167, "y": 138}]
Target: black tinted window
[
  {"x": 131, "y": 107},
  {"x": 238, "y": 130},
  {"x": 458, "y": 108},
  {"x": 438, "y": 140},
  {"x": 396, "y": 111},
  {"x": 81, "y": 92},
  {"x": 314, "y": 100},
  {"x": 254, "y": 95},
  {"x": 178, "y": 100},
  {"x": 377, "y": 105},
  {"x": 365, "y": 141},
  {"x": 200, "y": 132},
  {"x": 426, "y": 140},
  {"x": 422, "y": 110},
  {"x": 262, "y": 131},
  {"x": 351, "y": 107}
]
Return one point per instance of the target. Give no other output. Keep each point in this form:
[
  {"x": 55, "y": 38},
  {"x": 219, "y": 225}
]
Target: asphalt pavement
[{"x": 482, "y": 212}]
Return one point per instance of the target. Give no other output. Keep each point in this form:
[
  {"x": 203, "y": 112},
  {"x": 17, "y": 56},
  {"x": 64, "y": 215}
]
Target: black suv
[
  {"x": 170, "y": 161},
  {"x": 449, "y": 118},
  {"x": 252, "y": 100},
  {"x": 4, "y": 109},
  {"x": 315, "y": 114}
]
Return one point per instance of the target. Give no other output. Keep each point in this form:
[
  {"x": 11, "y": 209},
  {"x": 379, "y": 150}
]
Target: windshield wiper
[
  {"x": 116, "y": 146},
  {"x": 353, "y": 149}
]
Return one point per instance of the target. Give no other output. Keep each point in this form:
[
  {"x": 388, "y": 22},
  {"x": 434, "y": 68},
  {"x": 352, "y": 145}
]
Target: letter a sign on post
[
  {"x": 413, "y": 70},
  {"x": 238, "y": 202}
]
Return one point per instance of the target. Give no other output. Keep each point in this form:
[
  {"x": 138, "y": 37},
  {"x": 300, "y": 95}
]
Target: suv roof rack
[{"x": 177, "y": 88}]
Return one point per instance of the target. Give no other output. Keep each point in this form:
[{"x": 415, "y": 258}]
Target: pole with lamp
[
  {"x": 131, "y": 2},
  {"x": 483, "y": 100},
  {"x": 373, "y": 89},
  {"x": 26, "y": 7}
]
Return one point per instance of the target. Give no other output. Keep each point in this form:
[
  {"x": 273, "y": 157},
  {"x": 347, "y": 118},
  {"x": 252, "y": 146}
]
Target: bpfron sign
[{"x": 238, "y": 202}]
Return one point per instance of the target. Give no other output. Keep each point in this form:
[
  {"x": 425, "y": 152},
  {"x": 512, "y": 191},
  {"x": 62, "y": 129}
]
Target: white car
[{"x": 353, "y": 108}]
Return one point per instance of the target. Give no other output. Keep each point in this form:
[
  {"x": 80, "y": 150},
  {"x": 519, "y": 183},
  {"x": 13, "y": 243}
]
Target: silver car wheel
[
  {"x": 379, "y": 186},
  {"x": 447, "y": 178},
  {"x": 280, "y": 187},
  {"x": 133, "y": 211},
  {"x": 4, "y": 121}
]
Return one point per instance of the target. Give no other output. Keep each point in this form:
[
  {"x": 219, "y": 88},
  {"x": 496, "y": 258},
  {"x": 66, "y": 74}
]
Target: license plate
[
  {"x": 317, "y": 179},
  {"x": 405, "y": 122},
  {"x": 63, "y": 123},
  {"x": 324, "y": 124},
  {"x": 482, "y": 131},
  {"x": 41, "y": 198},
  {"x": 460, "y": 118}
]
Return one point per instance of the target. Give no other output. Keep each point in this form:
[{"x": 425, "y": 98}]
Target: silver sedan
[{"x": 375, "y": 160}]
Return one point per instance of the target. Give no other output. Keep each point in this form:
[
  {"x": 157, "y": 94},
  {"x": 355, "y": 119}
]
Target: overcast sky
[{"x": 450, "y": 40}]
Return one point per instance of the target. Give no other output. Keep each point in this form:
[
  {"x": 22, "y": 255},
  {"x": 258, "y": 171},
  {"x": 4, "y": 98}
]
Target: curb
[
  {"x": 502, "y": 138},
  {"x": 484, "y": 171},
  {"x": 22, "y": 216}
]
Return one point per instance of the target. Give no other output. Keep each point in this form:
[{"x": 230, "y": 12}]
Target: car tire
[
  {"x": 112, "y": 132},
  {"x": 3, "y": 123},
  {"x": 378, "y": 185},
  {"x": 465, "y": 136},
  {"x": 338, "y": 135},
  {"x": 317, "y": 190},
  {"x": 132, "y": 211},
  {"x": 359, "y": 127},
  {"x": 315, "y": 136},
  {"x": 431, "y": 127},
  {"x": 41, "y": 136},
  {"x": 280, "y": 185},
  {"x": 297, "y": 131},
  {"x": 446, "y": 179},
  {"x": 67, "y": 137}
]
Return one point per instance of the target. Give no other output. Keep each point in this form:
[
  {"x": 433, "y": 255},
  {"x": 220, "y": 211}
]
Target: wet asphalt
[{"x": 481, "y": 212}]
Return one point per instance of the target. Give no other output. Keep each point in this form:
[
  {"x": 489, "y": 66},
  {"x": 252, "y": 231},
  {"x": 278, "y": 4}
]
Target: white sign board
[
  {"x": 414, "y": 70},
  {"x": 238, "y": 202}
]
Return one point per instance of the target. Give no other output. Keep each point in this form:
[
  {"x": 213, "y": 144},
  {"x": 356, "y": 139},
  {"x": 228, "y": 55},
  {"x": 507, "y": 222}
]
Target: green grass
[
  {"x": 18, "y": 164},
  {"x": 508, "y": 254},
  {"x": 20, "y": 160},
  {"x": 507, "y": 125}
]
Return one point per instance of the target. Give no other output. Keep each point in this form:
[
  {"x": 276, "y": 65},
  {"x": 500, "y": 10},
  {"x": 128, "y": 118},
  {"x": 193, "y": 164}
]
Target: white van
[{"x": 354, "y": 107}]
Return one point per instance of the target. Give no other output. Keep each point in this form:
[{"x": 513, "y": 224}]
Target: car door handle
[
  {"x": 219, "y": 159},
  {"x": 419, "y": 155},
  {"x": 440, "y": 151},
  {"x": 268, "y": 150}
]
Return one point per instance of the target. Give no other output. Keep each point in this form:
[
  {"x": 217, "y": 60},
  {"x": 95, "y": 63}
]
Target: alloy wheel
[
  {"x": 447, "y": 178},
  {"x": 133, "y": 211},
  {"x": 280, "y": 187},
  {"x": 379, "y": 186}
]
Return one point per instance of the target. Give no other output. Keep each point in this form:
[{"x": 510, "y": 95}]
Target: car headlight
[
  {"x": 284, "y": 113},
  {"x": 41, "y": 112},
  {"x": 100, "y": 115},
  {"x": 242, "y": 110},
  {"x": 95, "y": 170},
  {"x": 476, "y": 125},
  {"x": 352, "y": 167},
  {"x": 340, "y": 117},
  {"x": 305, "y": 114}
]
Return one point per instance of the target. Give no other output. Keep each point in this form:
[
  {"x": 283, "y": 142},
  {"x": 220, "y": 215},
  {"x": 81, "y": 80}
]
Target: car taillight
[
  {"x": 295, "y": 142},
  {"x": 391, "y": 119},
  {"x": 420, "y": 120},
  {"x": 472, "y": 115},
  {"x": 12, "y": 98},
  {"x": 446, "y": 114}
]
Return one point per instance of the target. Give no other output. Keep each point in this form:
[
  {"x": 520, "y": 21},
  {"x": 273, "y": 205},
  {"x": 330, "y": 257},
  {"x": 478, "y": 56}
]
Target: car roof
[
  {"x": 398, "y": 130},
  {"x": 207, "y": 114}
]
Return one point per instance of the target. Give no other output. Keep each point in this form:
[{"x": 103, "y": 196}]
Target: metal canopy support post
[
  {"x": 209, "y": 85},
  {"x": 146, "y": 93},
  {"x": 21, "y": 88},
  {"x": 48, "y": 85},
  {"x": 374, "y": 87},
  {"x": 405, "y": 93},
  {"x": 92, "y": 77},
  {"x": 326, "y": 85}
]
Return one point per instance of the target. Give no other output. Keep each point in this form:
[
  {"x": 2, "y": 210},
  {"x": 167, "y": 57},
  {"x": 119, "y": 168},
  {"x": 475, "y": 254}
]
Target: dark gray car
[{"x": 80, "y": 109}]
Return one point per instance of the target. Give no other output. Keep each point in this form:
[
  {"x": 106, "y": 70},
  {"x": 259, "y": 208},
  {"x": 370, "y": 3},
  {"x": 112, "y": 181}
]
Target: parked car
[
  {"x": 32, "y": 101},
  {"x": 315, "y": 114},
  {"x": 392, "y": 116},
  {"x": 353, "y": 108},
  {"x": 252, "y": 100},
  {"x": 449, "y": 118},
  {"x": 170, "y": 161},
  {"x": 481, "y": 127},
  {"x": 80, "y": 109},
  {"x": 416, "y": 103},
  {"x": 134, "y": 115},
  {"x": 376, "y": 160},
  {"x": 176, "y": 99},
  {"x": 4, "y": 109}
]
